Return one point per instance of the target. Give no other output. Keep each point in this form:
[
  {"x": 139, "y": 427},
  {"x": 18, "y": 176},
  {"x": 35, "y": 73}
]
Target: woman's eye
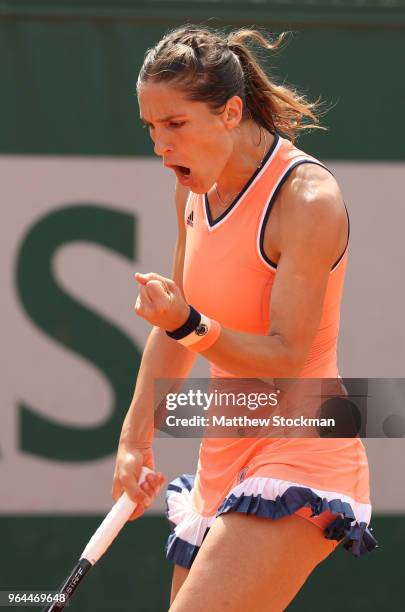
[{"x": 176, "y": 124}]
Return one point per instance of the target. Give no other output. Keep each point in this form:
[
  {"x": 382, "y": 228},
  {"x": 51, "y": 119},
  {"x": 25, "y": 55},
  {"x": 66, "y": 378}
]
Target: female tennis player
[{"x": 256, "y": 289}]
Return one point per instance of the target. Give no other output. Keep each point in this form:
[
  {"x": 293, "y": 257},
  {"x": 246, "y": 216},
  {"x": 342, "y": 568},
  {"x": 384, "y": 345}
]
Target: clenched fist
[{"x": 160, "y": 301}]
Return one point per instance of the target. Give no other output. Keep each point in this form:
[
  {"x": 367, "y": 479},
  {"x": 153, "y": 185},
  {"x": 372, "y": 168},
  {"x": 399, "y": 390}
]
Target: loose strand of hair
[{"x": 275, "y": 107}]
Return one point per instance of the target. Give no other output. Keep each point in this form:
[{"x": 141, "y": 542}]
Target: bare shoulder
[
  {"x": 312, "y": 211},
  {"x": 312, "y": 190}
]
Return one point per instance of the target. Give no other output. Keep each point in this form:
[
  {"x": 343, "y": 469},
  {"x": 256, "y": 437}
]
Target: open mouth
[
  {"x": 183, "y": 170},
  {"x": 183, "y": 173}
]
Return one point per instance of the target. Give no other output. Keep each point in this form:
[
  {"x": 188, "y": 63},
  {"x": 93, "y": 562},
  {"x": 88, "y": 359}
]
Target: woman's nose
[{"x": 161, "y": 147}]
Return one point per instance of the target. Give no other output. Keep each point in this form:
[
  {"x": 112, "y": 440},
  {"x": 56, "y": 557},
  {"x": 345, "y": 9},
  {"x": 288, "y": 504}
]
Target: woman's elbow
[{"x": 291, "y": 360}]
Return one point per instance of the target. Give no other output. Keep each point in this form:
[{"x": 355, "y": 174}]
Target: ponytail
[{"x": 275, "y": 107}]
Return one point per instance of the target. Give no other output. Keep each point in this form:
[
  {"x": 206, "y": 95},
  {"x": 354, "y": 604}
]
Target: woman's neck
[{"x": 251, "y": 144}]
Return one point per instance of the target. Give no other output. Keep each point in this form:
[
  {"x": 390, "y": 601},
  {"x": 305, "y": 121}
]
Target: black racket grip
[{"x": 70, "y": 585}]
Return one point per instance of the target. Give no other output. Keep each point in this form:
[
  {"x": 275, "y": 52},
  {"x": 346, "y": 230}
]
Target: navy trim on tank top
[
  {"x": 271, "y": 204},
  {"x": 240, "y": 194}
]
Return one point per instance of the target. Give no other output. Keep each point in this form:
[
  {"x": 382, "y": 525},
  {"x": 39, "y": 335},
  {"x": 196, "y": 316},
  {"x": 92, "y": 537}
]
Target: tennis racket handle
[
  {"x": 111, "y": 525},
  {"x": 70, "y": 585}
]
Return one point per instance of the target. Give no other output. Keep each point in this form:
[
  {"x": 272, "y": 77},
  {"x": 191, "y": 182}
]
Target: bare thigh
[
  {"x": 250, "y": 563},
  {"x": 179, "y": 576}
]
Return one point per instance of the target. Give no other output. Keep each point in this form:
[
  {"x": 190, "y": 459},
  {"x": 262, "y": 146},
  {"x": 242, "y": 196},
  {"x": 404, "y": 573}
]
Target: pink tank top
[{"x": 227, "y": 275}]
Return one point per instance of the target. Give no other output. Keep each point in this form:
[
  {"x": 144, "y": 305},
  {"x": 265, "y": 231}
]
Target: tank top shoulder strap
[{"x": 290, "y": 157}]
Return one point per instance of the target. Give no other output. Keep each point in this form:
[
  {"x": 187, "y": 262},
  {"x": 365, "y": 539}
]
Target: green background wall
[
  {"x": 67, "y": 74},
  {"x": 68, "y": 81}
]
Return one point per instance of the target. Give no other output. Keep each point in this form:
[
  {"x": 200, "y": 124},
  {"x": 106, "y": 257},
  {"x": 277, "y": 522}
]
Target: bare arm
[{"x": 162, "y": 358}]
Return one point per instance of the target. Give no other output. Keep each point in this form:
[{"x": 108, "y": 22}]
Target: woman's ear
[{"x": 233, "y": 112}]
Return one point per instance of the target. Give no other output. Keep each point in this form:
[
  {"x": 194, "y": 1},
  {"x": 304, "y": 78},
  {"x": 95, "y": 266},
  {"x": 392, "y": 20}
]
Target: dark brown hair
[{"x": 212, "y": 67}]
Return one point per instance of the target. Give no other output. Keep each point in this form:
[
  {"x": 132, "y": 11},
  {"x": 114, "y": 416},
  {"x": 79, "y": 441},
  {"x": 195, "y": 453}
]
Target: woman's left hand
[{"x": 160, "y": 301}]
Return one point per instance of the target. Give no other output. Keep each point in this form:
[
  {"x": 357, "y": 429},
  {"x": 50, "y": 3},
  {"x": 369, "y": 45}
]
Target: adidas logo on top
[{"x": 190, "y": 219}]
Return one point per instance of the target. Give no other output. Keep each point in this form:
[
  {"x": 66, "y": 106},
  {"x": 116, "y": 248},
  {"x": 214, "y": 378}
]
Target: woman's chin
[
  {"x": 201, "y": 187},
  {"x": 194, "y": 184}
]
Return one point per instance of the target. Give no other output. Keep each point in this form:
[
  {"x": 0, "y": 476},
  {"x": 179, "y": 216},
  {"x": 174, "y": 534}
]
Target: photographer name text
[{"x": 246, "y": 421}]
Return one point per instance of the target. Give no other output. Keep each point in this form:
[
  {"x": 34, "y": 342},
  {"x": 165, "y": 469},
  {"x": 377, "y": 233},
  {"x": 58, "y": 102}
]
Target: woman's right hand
[{"x": 128, "y": 466}]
